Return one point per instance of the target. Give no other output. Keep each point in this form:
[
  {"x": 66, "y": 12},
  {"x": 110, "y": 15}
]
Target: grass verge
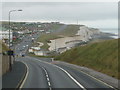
[{"x": 100, "y": 56}]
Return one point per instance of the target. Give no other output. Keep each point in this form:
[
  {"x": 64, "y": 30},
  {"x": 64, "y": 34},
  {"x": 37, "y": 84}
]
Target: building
[
  {"x": 4, "y": 35},
  {"x": 40, "y": 53}
]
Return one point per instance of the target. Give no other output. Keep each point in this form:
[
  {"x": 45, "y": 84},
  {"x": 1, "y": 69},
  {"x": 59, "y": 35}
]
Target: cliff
[
  {"x": 87, "y": 33},
  {"x": 84, "y": 34}
]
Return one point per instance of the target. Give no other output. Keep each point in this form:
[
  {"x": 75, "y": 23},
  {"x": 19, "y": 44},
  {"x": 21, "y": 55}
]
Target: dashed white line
[
  {"x": 49, "y": 84},
  {"x": 48, "y": 80},
  {"x": 46, "y": 75},
  {"x": 81, "y": 86}
]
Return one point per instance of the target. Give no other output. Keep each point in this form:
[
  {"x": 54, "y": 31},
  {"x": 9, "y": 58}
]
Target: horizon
[{"x": 92, "y": 14}]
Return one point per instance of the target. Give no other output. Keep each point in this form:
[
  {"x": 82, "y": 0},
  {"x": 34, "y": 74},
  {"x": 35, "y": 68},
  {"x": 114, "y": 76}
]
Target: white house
[
  {"x": 30, "y": 50},
  {"x": 4, "y": 35},
  {"x": 35, "y": 48},
  {"x": 40, "y": 53}
]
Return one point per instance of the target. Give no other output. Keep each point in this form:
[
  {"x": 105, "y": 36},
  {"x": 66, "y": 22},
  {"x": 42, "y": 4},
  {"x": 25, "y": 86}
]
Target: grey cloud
[{"x": 62, "y": 11}]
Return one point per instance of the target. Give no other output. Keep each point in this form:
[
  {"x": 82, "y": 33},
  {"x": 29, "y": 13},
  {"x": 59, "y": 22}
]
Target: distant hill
[{"x": 100, "y": 56}]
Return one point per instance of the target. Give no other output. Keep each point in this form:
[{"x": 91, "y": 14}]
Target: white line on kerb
[{"x": 21, "y": 86}]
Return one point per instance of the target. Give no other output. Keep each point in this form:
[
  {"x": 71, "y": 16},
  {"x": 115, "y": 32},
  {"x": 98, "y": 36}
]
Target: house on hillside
[
  {"x": 4, "y": 35},
  {"x": 40, "y": 53}
]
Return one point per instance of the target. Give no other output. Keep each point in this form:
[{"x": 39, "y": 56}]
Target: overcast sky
[{"x": 93, "y": 14}]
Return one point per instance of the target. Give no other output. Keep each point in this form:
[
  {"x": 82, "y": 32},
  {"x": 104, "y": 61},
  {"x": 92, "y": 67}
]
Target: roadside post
[{"x": 10, "y": 52}]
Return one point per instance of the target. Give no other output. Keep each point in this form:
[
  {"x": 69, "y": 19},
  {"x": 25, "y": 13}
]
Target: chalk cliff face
[
  {"x": 87, "y": 33},
  {"x": 84, "y": 34}
]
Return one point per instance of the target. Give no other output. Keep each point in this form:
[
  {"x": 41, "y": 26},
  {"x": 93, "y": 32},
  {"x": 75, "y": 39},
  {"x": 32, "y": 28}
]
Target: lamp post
[
  {"x": 10, "y": 52},
  {"x": 9, "y": 22}
]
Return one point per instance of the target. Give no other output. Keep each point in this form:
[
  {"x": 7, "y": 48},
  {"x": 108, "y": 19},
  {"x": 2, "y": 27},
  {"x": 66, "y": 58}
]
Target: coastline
[
  {"x": 83, "y": 36},
  {"x": 113, "y": 32}
]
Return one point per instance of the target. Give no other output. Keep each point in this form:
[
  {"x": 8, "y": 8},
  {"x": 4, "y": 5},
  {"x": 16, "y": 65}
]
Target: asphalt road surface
[{"x": 44, "y": 74}]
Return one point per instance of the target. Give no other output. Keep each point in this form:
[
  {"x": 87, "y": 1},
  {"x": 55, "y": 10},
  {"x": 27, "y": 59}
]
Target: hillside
[
  {"x": 100, "y": 56},
  {"x": 57, "y": 31}
]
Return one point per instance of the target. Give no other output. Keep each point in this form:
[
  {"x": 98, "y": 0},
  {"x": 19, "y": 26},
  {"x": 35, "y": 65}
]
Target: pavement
[{"x": 14, "y": 78}]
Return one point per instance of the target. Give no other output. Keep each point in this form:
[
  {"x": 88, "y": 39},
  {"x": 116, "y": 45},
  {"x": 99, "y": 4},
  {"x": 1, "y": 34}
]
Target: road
[{"x": 41, "y": 73}]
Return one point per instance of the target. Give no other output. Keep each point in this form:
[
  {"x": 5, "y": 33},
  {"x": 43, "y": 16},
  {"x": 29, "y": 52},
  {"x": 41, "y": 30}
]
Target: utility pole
[
  {"x": 55, "y": 46},
  {"x": 10, "y": 52}
]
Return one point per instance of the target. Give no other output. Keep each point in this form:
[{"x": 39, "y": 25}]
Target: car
[{"x": 23, "y": 55}]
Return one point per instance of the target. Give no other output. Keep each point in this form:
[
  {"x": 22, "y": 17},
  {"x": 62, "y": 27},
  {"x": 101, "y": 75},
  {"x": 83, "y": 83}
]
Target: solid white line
[
  {"x": 71, "y": 78},
  {"x": 21, "y": 86},
  {"x": 66, "y": 73},
  {"x": 97, "y": 79},
  {"x": 82, "y": 72}
]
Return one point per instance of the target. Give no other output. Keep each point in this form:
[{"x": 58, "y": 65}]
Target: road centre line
[
  {"x": 87, "y": 75},
  {"x": 66, "y": 73},
  {"x": 47, "y": 77}
]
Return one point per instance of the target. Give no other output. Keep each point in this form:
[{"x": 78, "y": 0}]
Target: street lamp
[
  {"x": 10, "y": 52},
  {"x": 9, "y": 22}
]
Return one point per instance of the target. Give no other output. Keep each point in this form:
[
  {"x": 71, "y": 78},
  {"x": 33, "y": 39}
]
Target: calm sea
[{"x": 113, "y": 31}]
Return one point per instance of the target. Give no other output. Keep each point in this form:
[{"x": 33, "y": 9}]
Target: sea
[{"x": 110, "y": 30}]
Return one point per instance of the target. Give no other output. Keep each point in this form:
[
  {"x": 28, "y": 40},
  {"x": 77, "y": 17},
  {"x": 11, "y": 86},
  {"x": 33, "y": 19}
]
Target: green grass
[
  {"x": 45, "y": 38},
  {"x": 100, "y": 56},
  {"x": 55, "y": 27},
  {"x": 70, "y": 30}
]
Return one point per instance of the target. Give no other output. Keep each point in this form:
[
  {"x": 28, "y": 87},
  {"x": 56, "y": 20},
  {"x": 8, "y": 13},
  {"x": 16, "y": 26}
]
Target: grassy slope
[
  {"x": 102, "y": 56},
  {"x": 69, "y": 31},
  {"x": 44, "y": 38},
  {"x": 55, "y": 27}
]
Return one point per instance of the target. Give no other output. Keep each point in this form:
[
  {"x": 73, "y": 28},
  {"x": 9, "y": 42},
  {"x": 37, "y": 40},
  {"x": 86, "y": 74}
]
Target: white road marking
[
  {"x": 21, "y": 86},
  {"x": 49, "y": 84},
  {"x": 65, "y": 72},
  {"x": 84, "y": 73},
  {"x": 81, "y": 86},
  {"x": 97, "y": 79},
  {"x": 47, "y": 77}
]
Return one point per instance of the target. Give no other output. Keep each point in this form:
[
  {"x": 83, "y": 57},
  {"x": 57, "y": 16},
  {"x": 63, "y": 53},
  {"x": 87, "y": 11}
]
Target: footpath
[{"x": 14, "y": 78}]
